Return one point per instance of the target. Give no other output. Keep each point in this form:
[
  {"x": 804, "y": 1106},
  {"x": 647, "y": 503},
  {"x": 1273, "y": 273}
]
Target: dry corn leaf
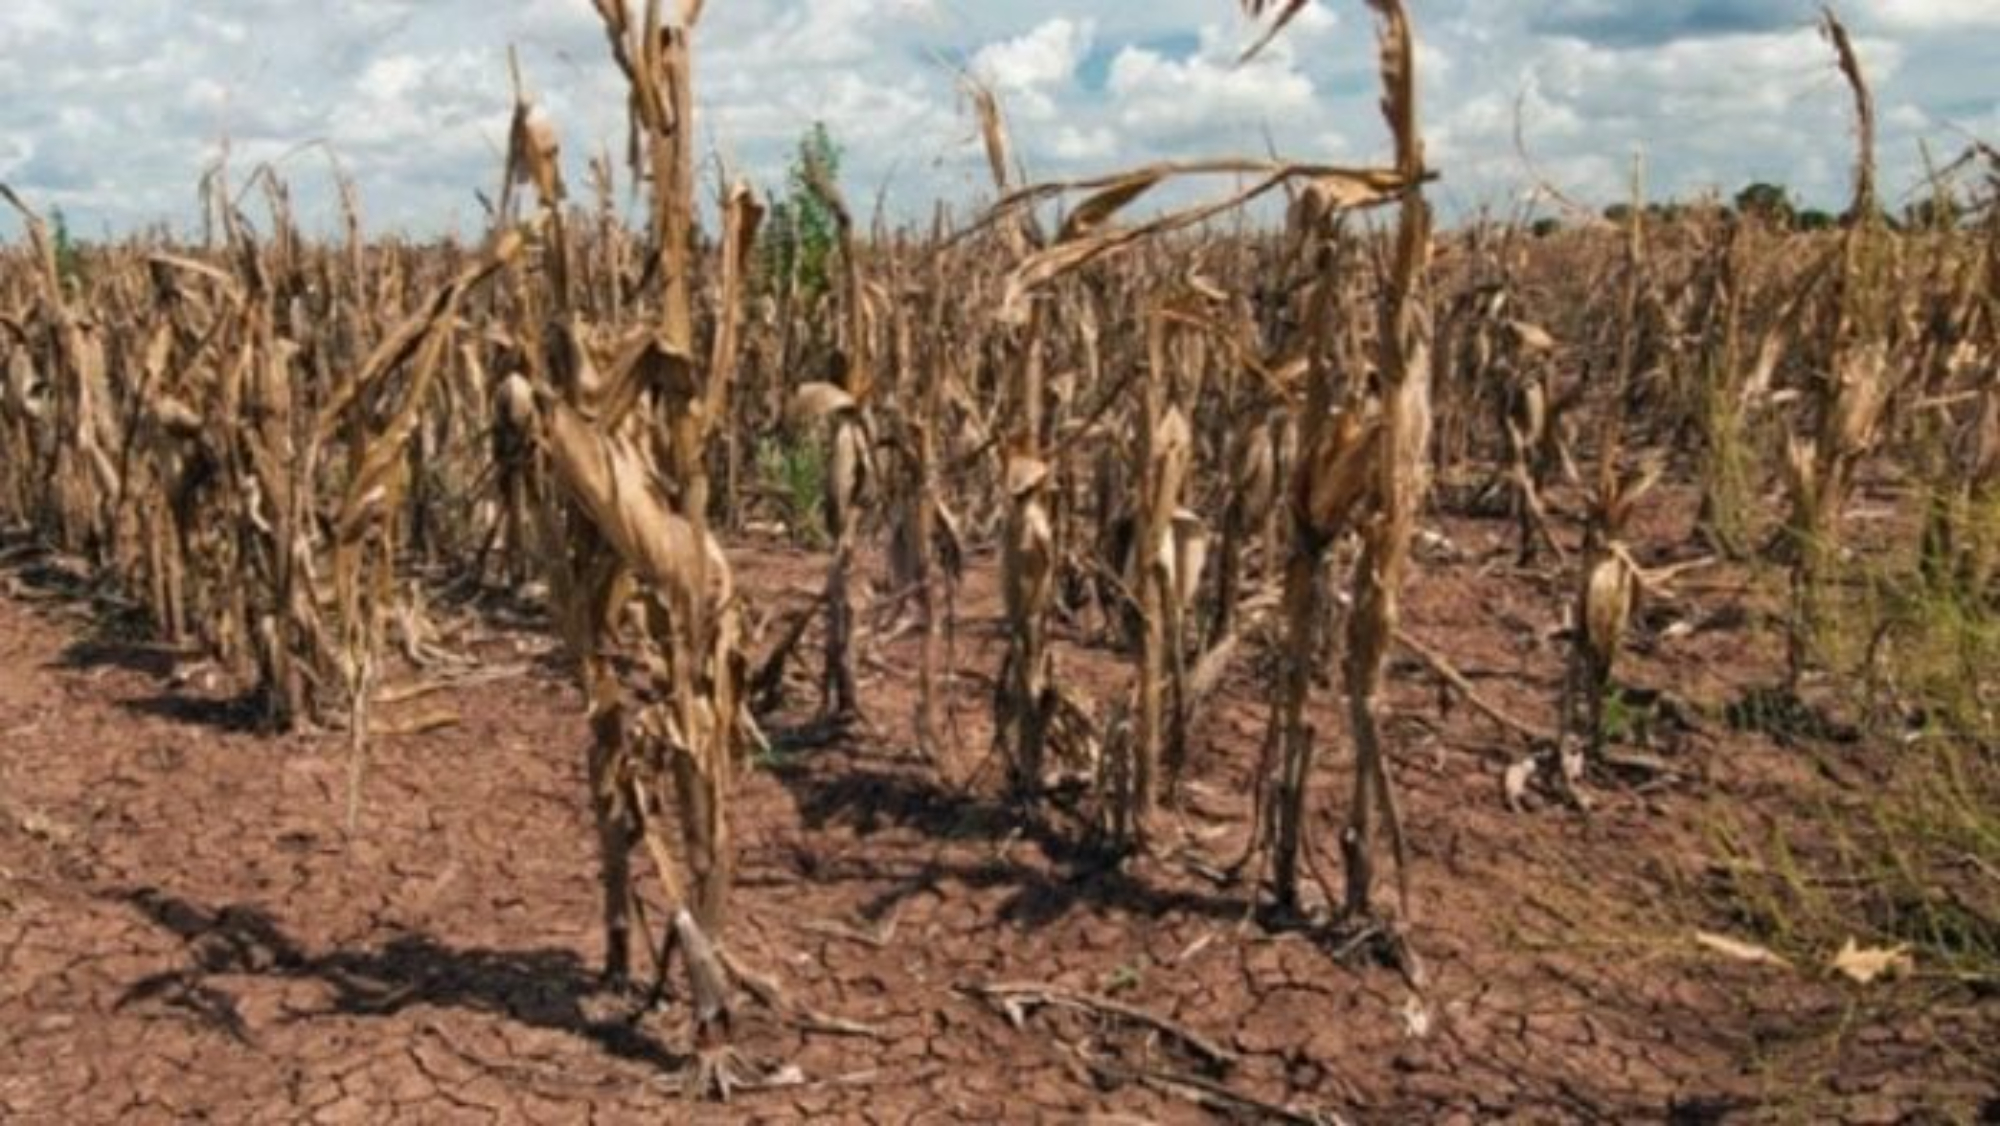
[
  {"x": 1419, "y": 1019},
  {"x": 611, "y": 482},
  {"x": 1397, "y": 52},
  {"x": 1608, "y": 604},
  {"x": 992, "y": 128},
  {"x": 1532, "y": 338},
  {"x": 1190, "y": 556},
  {"x": 1866, "y": 964},
  {"x": 1740, "y": 950},
  {"x": 1342, "y": 476},
  {"x": 1287, "y": 10},
  {"x": 1088, "y": 241},
  {"x": 1801, "y": 465},
  {"x": 813, "y": 402},
  {"x": 175, "y": 417},
  {"x": 1861, "y": 395},
  {"x": 1173, "y": 447},
  {"x": 1025, "y": 475},
  {"x": 515, "y": 402},
  {"x": 1097, "y": 210},
  {"x": 1864, "y": 113},
  {"x": 1255, "y": 471},
  {"x": 847, "y": 472},
  {"x": 1514, "y": 784}
]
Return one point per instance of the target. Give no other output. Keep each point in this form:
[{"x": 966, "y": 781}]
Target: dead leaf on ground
[
  {"x": 1864, "y": 965},
  {"x": 1516, "y": 783},
  {"x": 1416, "y": 1018},
  {"x": 1740, "y": 950}
]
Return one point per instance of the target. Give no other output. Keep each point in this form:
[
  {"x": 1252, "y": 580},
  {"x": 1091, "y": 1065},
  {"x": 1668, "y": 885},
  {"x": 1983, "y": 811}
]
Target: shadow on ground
[
  {"x": 544, "y": 988},
  {"x": 1072, "y": 870}
]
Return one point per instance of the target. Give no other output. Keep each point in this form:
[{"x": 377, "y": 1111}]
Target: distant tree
[
  {"x": 801, "y": 237},
  {"x": 1769, "y": 202},
  {"x": 1813, "y": 219},
  {"x": 69, "y": 263},
  {"x": 1619, "y": 213},
  {"x": 1545, "y": 226}
]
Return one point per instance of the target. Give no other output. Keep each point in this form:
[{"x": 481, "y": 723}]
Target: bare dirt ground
[{"x": 188, "y": 931}]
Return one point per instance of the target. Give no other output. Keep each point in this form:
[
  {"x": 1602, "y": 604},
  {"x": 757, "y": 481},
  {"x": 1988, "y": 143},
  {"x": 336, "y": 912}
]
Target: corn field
[{"x": 1089, "y": 474}]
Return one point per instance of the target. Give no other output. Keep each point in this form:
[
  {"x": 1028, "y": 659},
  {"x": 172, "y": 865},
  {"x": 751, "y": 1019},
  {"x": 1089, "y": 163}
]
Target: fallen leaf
[
  {"x": 1740, "y": 950},
  {"x": 1516, "y": 782},
  {"x": 1865, "y": 965},
  {"x": 1416, "y": 1018}
]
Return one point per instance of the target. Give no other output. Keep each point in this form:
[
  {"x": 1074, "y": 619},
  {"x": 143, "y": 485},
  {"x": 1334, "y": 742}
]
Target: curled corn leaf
[
  {"x": 1608, "y": 603},
  {"x": 1865, "y": 965},
  {"x": 816, "y": 402}
]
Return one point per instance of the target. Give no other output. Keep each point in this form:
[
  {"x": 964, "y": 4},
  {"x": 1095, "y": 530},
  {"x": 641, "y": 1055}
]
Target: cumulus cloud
[
  {"x": 1033, "y": 70},
  {"x": 1173, "y": 101},
  {"x": 1934, "y": 15},
  {"x": 1663, "y": 21},
  {"x": 114, "y": 119}
]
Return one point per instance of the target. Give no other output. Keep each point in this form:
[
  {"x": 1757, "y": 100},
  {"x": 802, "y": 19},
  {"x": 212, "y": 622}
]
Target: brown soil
[{"x": 186, "y": 929}]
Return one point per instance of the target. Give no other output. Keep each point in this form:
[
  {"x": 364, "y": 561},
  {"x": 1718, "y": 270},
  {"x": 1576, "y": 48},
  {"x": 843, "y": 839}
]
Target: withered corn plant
[
  {"x": 644, "y": 592},
  {"x": 1401, "y": 473},
  {"x": 1855, "y": 381},
  {"x": 1607, "y": 579},
  {"x": 1609, "y": 588},
  {"x": 1340, "y": 433},
  {"x": 1024, "y": 700},
  {"x": 280, "y": 449},
  {"x": 1352, "y": 466},
  {"x": 387, "y": 398},
  {"x": 1163, "y": 450},
  {"x": 1502, "y": 367},
  {"x": 249, "y": 450},
  {"x": 929, "y": 525}
]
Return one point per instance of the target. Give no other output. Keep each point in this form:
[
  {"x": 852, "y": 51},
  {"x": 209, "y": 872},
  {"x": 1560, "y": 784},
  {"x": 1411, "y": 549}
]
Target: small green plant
[
  {"x": 801, "y": 235},
  {"x": 1624, "y": 721},
  {"x": 774, "y": 757},
  {"x": 1125, "y": 978},
  {"x": 69, "y": 260},
  {"x": 793, "y": 474}
]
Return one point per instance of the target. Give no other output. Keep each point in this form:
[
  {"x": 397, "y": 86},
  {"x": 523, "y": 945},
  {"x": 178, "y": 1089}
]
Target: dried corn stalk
[
  {"x": 1023, "y": 698},
  {"x": 1608, "y": 593},
  {"x": 1853, "y": 395},
  {"x": 1164, "y": 451},
  {"x": 643, "y": 567},
  {"x": 1400, "y": 474}
]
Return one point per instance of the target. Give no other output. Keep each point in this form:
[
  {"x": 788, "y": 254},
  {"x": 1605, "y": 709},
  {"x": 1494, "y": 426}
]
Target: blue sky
[{"x": 111, "y": 110}]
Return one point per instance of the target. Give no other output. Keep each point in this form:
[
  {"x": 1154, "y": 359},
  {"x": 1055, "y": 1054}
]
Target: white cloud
[
  {"x": 1166, "y": 99},
  {"x": 1073, "y": 145},
  {"x": 1933, "y": 15},
  {"x": 1032, "y": 70},
  {"x": 113, "y": 117}
]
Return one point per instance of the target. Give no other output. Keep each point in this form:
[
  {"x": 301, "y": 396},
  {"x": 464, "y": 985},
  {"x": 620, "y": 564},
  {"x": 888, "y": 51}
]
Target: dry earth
[{"x": 188, "y": 932}]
